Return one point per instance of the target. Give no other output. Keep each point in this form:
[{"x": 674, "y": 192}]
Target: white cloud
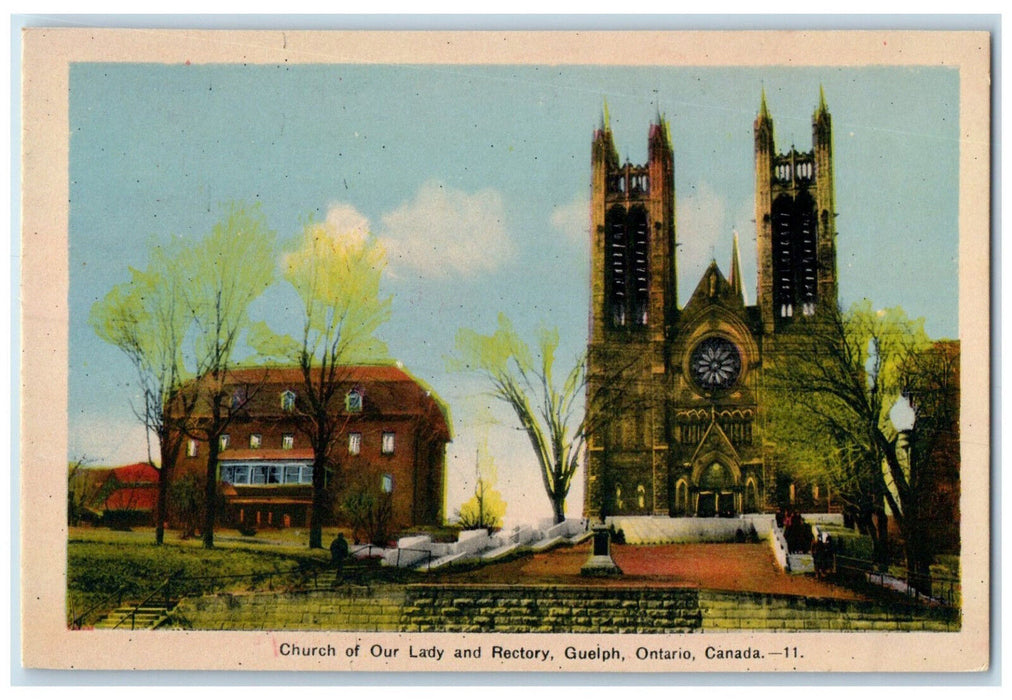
[
  {"x": 447, "y": 232},
  {"x": 573, "y": 219},
  {"x": 346, "y": 221}
]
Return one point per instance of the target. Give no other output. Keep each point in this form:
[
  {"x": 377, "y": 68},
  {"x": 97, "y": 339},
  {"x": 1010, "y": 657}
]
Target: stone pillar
[{"x": 600, "y": 562}]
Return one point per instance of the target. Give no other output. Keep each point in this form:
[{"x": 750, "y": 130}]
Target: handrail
[
  {"x": 949, "y": 586},
  {"x": 78, "y": 621},
  {"x": 167, "y": 585},
  {"x": 428, "y": 556}
]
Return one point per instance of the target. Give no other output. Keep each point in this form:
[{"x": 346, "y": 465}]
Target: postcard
[{"x": 647, "y": 352}]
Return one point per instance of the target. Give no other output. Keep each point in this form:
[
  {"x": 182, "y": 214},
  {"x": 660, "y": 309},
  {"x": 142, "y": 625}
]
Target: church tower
[
  {"x": 633, "y": 303},
  {"x": 795, "y": 223},
  {"x": 633, "y": 230}
]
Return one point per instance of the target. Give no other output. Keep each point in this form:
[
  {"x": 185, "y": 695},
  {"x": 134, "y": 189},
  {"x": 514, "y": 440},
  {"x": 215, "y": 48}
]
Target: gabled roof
[
  {"x": 713, "y": 289},
  {"x": 715, "y": 440},
  {"x": 139, "y": 473}
]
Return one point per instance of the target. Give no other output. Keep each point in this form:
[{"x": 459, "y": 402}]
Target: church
[{"x": 675, "y": 392}]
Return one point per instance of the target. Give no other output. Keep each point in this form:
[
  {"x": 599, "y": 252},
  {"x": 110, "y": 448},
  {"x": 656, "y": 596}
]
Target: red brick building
[{"x": 392, "y": 440}]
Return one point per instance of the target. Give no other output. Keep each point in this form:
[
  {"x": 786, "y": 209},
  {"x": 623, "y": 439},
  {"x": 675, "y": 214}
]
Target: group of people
[
  {"x": 799, "y": 538},
  {"x": 797, "y": 532}
]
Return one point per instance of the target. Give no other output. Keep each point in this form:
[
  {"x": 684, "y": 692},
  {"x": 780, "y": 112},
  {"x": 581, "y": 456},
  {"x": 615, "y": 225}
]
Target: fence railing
[
  {"x": 428, "y": 556},
  {"x": 77, "y": 622},
  {"x": 164, "y": 589},
  {"x": 941, "y": 589}
]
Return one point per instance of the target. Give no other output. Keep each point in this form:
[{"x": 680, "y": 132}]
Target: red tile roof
[
  {"x": 142, "y": 498},
  {"x": 140, "y": 473}
]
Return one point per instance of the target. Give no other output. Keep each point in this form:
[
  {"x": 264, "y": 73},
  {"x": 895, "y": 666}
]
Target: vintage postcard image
[{"x": 646, "y": 352}]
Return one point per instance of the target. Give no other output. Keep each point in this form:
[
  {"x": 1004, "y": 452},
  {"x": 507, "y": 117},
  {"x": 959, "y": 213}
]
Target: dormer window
[
  {"x": 238, "y": 398},
  {"x": 288, "y": 401},
  {"x": 255, "y": 440},
  {"x": 353, "y": 401},
  {"x": 223, "y": 442}
]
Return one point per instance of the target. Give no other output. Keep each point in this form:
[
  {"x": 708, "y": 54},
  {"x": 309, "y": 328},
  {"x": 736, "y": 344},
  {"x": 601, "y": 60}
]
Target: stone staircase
[
  {"x": 662, "y": 530},
  {"x": 132, "y": 617}
]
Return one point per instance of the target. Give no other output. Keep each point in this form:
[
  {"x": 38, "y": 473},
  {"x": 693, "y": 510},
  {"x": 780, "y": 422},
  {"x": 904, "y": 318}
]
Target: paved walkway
[{"x": 725, "y": 567}]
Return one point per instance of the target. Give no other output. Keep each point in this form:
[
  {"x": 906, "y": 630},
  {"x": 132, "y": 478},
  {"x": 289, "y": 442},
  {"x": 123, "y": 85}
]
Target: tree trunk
[
  {"x": 880, "y": 524},
  {"x": 210, "y": 492},
  {"x": 559, "y": 508},
  {"x": 319, "y": 504},
  {"x": 161, "y": 507},
  {"x": 918, "y": 548}
]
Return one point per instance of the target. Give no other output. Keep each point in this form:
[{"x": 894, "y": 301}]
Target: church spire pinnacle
[
  {"x": 764, "y": 113},
  {"x": 822, "y": 99},
  {"x": 735, "y": 278}
]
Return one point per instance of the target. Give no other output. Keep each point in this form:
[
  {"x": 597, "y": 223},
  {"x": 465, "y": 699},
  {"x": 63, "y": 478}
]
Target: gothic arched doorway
[{"x": 716, "y": 492}]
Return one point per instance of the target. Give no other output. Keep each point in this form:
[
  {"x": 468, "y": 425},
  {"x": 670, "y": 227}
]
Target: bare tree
[
  {"x": 146, "y": 319},
  {"x": 337, "y": 276},
  {"x": 551, "y": 413},
  {"x": 224, "y": 274},
  {"x": 485, "y": 509}
]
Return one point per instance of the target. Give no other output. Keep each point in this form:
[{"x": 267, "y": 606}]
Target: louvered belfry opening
[{"x": 628, "y": 266}]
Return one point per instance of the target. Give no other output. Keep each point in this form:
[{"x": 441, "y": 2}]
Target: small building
[
  {"x": 391, "y": 440},
  {"x": 119, "y": 496}
]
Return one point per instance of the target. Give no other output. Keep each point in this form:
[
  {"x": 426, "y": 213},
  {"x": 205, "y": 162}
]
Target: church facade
[{"x": 675, "y": 392}]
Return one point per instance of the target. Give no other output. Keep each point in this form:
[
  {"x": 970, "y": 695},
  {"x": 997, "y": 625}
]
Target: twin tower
[{"x": 674, "y": 397}]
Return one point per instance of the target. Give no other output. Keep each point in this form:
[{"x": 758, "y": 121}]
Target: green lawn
[{"x": 102, "y": 562}]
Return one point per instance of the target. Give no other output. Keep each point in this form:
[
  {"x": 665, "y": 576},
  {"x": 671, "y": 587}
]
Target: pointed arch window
[{"x": 288, "y": 401}]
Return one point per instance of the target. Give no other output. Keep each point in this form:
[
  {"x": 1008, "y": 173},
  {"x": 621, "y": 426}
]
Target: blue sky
[{"x": 477, "y": 180}]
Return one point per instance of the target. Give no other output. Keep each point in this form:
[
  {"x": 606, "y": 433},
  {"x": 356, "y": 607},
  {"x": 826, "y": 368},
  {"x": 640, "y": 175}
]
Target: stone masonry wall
[
  {"x": 484, "y": 608},
  {"x": 346, "y": 609},
  {"x": 504, "y": 608},
  {"x": 727, "y": 612}
]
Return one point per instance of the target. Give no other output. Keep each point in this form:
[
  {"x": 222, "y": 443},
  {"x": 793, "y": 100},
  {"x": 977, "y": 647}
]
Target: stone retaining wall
[
  {"x": 483, "y": 608},
  {"x": 588, "y": 609},
  {"x": 728, "y": 612},
  {"x": 346, "y": 609}
]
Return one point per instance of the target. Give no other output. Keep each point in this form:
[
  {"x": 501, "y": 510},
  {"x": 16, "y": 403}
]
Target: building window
[
  {"x": 387, "y": 483},
  {"x": 287, "y": 441},
  {"x": 353, "y": 401},
  {"x": 238, "y": 398},
  {"x": 263, "y": 474},
  {"x": 223, "y": 442},
  {"x": 191, "y": 448},
  {"x": 254, "y": 441},
  {"x": 387, "y": 446},
  {"x": 288, "y": 401},
  {"x": 354, "y": 443}
]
